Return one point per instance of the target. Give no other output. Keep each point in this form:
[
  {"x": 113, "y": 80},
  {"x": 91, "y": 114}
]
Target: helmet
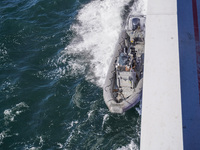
[{"x": 135, "y": 23}]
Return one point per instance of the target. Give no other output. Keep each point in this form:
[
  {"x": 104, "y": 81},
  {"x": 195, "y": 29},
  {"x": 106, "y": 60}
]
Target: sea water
[{"x": 54, "y": 56}]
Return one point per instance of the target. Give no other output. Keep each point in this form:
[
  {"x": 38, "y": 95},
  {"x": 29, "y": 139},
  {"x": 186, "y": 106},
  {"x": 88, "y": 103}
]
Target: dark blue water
[{"x": 50, "y": 95}]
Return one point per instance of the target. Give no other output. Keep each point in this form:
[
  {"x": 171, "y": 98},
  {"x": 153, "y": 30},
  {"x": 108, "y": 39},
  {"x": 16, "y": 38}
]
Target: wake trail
[{"x": 96, "y": 33}]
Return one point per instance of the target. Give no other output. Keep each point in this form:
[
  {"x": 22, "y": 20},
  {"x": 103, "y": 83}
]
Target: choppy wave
[
  {"x": 3, "y": 135},
  {"x": 10, "y": 114},
  {"x": 78, "y": 103}
]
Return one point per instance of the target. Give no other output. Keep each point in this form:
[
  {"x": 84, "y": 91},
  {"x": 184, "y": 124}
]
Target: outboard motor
[{"x": 135, "y": 23}]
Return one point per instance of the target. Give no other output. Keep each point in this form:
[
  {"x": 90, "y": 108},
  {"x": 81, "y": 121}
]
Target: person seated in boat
[
  {"x": 127, "y": 68},
  {"x": 133, "y": 64},
  {"x": 133, "y": 71},
  {"x": 135, "y": 33}
]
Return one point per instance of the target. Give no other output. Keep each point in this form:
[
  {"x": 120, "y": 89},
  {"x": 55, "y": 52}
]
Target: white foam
[
  {"x": 139, "y": 7},
  {"x": 90, "y": 113},
  {"x": 10, "y": 114},
  {"x": 27, "y": 147},
  {"x": 41, "y": 141},
  {"x": 7, "y": 87},
  {"x": 96, "y": 35},
  {"x": 130, "y": 146},
  {"x": 72, "y": 124},
  {"x": 96, "y": 32},
  {"x": 3, "y": 53},
  {"x": 69, "y": 138},
  {"x": 60, "y": 145},
  {"x": 105, "y": 118},
  {"x": 139, "y": 109},
  {"x": 3, "y": 135}
]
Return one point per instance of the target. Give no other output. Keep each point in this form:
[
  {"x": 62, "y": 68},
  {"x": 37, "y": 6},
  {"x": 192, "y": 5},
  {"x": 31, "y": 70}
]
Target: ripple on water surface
[{"x": 54, "y": 57}]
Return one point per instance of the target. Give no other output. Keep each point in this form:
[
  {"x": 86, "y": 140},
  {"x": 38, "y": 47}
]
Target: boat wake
[
  {"x": 96, "y": 33},
  {"x": 94, "y": 36}
]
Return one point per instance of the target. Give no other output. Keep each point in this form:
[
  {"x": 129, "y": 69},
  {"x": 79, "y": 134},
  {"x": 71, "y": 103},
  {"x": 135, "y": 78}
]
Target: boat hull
[{"x": 108, "y": 88}]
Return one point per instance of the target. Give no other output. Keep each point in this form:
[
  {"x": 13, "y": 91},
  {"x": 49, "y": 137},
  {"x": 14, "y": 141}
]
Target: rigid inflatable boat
[{"x": 124, "y": 81}]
